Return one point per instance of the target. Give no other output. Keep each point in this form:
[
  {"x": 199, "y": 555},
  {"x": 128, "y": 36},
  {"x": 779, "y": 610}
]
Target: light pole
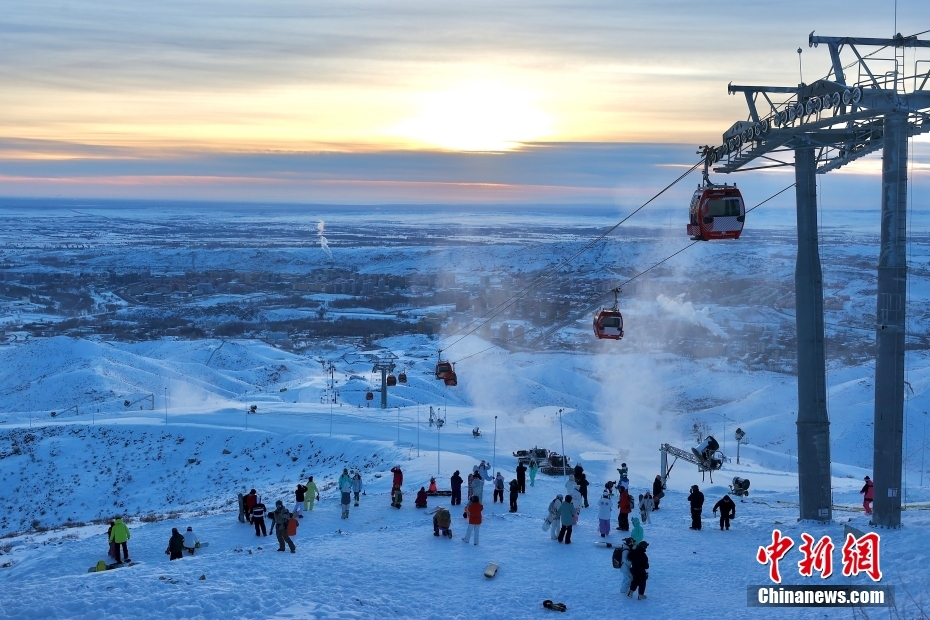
[
  {"x": 564, "y": 474},
  {"x": 725, "y": 418},
  {"x": 398, "y": 427},
  {"x": 923, "y": 451},
  {"x": 494, "y": 456},
  {"x": 332, "y": 396},
  {"x": 439, "y": 423},
  {"x": 166, "y": 406},
  {"x": 418, "y": 429}
]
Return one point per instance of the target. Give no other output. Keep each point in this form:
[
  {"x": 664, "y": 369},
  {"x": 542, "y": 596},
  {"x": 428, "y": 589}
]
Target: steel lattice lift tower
[{"x": 829, "y": 124}]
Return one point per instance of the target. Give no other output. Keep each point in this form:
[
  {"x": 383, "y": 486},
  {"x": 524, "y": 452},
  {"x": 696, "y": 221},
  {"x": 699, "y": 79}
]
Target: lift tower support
[{"x": 828, "y": 124}]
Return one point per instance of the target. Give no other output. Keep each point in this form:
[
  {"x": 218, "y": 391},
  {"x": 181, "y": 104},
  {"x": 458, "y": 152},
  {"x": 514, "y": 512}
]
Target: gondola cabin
[
  {"x": 608, "y": 324},
  {"x": 369, "y": 395},
  {"x": 717, "y": 212},
  {"x": 443, "y": 370},
  {"x": 391, "y": 380},
  {"x": 452, "y": 380},
  {"x": 402, "y": 377}
]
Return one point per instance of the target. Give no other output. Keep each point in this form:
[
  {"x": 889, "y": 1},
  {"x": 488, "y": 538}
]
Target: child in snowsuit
[
  {"x": 397, "y": 497},
  {"x": 514, "y": 494},
  {"x": 473, "y": 510},
  {"x": 432, "y": 485},
  {"x": 357, "y": 486},
  {"x": 603, "y": 514},
  {"x": 553, "y": 521},
  {"x": 727, "y": 511},
  {"x": 868, "y": 491},
  {"x": 639, "y": 564},
  {"x": 442, "y": 523},
  {"x": 498, "y": 488}
]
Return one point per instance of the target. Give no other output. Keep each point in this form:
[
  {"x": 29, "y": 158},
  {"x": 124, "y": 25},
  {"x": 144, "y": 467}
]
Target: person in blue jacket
[{"x": 567, "y": 517}]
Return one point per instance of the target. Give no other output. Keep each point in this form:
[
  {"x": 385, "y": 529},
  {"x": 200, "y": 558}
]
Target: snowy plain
[{"x": 180, "y": 459}]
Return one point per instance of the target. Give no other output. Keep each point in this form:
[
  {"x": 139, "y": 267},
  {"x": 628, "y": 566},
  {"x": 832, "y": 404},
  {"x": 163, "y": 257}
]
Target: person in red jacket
[
  {"x": 398, "y": 476},
  {"x": 625, "y": 504},
  {"x": 869, "y": 494},
  {"x": 420, "y": 501},
  {"x": 473, "y": 510},
  {"x": 250, "y": 500}
]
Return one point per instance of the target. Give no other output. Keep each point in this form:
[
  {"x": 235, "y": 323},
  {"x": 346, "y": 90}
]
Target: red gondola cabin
[
  {"x": 717, "y": 212},
  {"x": 443, "y": 370},
  {"x": 608, "y": 324},
  {"x": 452, "y": 380},
  {"x": 391, "y": 380}
]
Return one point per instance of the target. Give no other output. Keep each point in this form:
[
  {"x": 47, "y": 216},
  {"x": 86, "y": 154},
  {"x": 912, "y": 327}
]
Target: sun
[{"x": 476, "y": 117}]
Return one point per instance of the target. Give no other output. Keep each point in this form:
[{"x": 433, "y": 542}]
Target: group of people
[{"x": 179, "y": 543}]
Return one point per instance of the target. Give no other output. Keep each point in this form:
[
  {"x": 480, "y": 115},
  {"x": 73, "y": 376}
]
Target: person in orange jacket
[
  {"x": 292, "y": 524},
  {"x": 473, "y": 510},
  {"x": 625, "y": 504}
]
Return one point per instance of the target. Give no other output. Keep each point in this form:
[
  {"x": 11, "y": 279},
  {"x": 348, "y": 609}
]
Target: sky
[{"x": 409, "y": 101}]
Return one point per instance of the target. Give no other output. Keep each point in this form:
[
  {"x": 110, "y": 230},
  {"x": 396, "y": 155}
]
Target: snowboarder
[
  {"x": 281, "y": 519},
  {"x": 442, "y": 523},
  {"x": 727, "y": 511},
  {"x": 637, "y": 534},
  {"x": 639, "y": 564},
  {"x": 432, "y": 485},
  {"x": 645, "y": 507},
  {"x": 657, "y": 492},
  {"x": 299, "y": 495},
  {"x": 625, "y": 504},
  {"x": 498, "y": 488},
  {"x": 398, "y": 476},
  {"x": 868, "y": 491},
  {"x": 357, "y": 486},
  {"x": 473, "y": 510},
  {"x": 521, "y": 477},
  {"x": 312, "y": 493},
  {"x": 175, "y": 549},
  {"x": 258, "y": 519},
  {"x": 119, "y": 535},
  {"x": 696, "y": 499},
  {"x": 567, "y": 519},
  {"x": 534, "y": 469},
  {"x": 483, "y": 471},
  {"x": 622, "y": 557},
  {"x": 456, "y": 484},
  {"x": 514, "y": 494},
  {"x": 477, "y": 487},
  {"x": 583, "y": 488},
  {"x": 553, "y": 521},
  {"x": 420, "y": 501},
  {"x": 603, "y": 514},
  {"x": 191, "y": 542},
  {"x": 397, "y": 497}
]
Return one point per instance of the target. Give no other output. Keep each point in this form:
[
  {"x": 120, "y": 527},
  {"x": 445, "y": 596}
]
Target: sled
[
  {"x": 554, "y": 606},
  {"x": 102, "y": 566},
  {"x": 491, "y": 570},
  {"x": 439, "y": 493}
]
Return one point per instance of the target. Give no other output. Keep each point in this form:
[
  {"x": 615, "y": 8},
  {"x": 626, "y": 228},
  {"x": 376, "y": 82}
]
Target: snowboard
[
  {"x": 554, "y": 606},
  {"x": 491, "y": 570},
  {"x": 102, "y": 566},
  {"x": 604, "y": 543},
  {"x": 202, "y": 545}
]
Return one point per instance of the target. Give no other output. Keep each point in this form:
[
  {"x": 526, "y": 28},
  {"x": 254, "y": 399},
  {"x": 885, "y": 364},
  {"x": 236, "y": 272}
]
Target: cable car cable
[
  {"x": 640, "y": 274},
  {"x": 490, "y": 314}
]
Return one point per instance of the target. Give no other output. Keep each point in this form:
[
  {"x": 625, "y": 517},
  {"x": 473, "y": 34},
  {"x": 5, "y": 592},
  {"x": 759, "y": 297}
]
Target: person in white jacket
[
  {"x": 357, "y": 486},
  {"x": 553, "y": 520},
  {"x": 604, "y": 506},
  {"x": 190, "y": 540},
  {"x": 570, "y": 487},
  {"x": 477, "y": 488}
]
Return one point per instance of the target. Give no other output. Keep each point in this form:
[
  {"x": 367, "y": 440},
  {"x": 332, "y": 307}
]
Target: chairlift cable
[
  {"x": 490, "y": 314},
  {"x": 631, "y": 279}
]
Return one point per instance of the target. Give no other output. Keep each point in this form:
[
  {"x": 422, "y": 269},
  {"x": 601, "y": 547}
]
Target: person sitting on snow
[
  {"x": 191, "y": 541},
  {"x": 420, "y": 501},
  {"x": 432, "y": 485},
  {"x": 442, "y": 523}
]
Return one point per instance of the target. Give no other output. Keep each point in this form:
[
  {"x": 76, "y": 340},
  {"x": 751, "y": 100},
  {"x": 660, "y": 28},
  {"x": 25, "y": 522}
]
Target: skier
[
  {"x": 727, "y": 511},
  {"x": 432, "y": 485},
  {"x": 868, "y": 491},
  {"x": 312, "y": 493},
  {"x": 625, "y": 504},
  {"x": 477, "y": 487},
  {"x": 299, "y": 496},
  {"x": 258, "y": 519},
  {"x": 473, "y": 510},
  {"x": 175, "y": 549},
  {"x": 639, "y": 564},
  {"x": 398, "y": 476},
  {"x": 553, "y": 521},
  {"x": 583, "y": 488},
  {"x": 603, "y": 513},
  {"x": 498, "y": 488},
  {"x": 442, "y": 523},
  {"x": 637, "y": 534},
  {"x": 357, "y": 486},
  {"x": 645, "y": 507},
  {"x": 657, "y": 492},
  {"x": 397, "y": 497},
  {"x": 534, "y": 469},
  {"x": 521, "y": 477},
  {"x": 456, "y": 484},
  {"x": 483, "y": 471},
  {"x": 514, "y": 494},
  {"x": 567, "y": 519},
  {"x": 191, "y": 541},
  {"x": 119, "y": 536},
  {"x": 696, "y": 498},
  {"x": 420, "y": 501},
  {"x": 281, "y": 519}
]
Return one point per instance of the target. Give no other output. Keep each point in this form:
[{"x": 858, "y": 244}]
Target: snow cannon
[
  {"x": 706, "y": 450},
  {"x": 740, "y": 487}
]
